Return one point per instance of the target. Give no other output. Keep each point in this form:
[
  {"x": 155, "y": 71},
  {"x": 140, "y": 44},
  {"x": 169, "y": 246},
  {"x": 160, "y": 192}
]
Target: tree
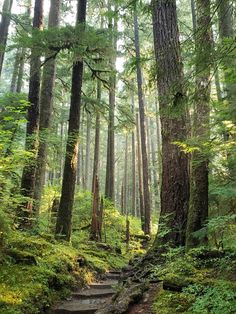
[
  {"x": 29, "y": 171},
  {"x": 64, "y": 218},
  {"x": 146, "y": 192},
  {"x": 4, "y": 26},
  {"x": 97, "y": 138},
  {"x": 110, "y": 166},
  {"x": 172, "y": 100},
  {"x": 198, "y": 211},
  {"x": 140, "y": 177},
  {"x": 46, "y": 110}
]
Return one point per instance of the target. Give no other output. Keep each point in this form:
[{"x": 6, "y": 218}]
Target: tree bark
[
  {"x": 87, "y": 157},
  {"x": 21, "y": 71},
  {"x": 154, "y": 171},
  {"x": 97, "y": 138},
  {"x": 173, "y": 114},
  {"x": 198, "y": 211},
  {"x": 133, "y": 203},
  {"x": 140, "y": 177},
  {"x": 146, "y": 192},
  {"x": 15, "y": 71},
  {"x": 227, "y": 32},
  {"x": 28, "y": 176},
  {"x": 94, "y": 234},
  {"x": 4, "y": 26},
  {"x": 125, "y": 189},
  {"x": 46, "y": 111},
  {"x": 110, "y": 166},
  {"x": 64, "y": 218}
]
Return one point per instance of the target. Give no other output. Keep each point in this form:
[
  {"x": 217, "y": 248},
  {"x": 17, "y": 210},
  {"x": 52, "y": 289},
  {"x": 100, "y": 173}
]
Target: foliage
[{"x": 207, "y": 282}]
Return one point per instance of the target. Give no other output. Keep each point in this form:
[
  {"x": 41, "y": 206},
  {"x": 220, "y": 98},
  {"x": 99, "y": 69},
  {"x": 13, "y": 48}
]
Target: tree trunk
[
  {"x": 87, "y": 157},
  {"x": 133, "y": 203},
  {"x": 146, "y": 192},
  {"x": 110, "y": 166},
  {"x": 140, "y": 177},
  {"x": 64, "y": 218},
  {"x": 15, "y": 71},
  {"x": 46, "y": 110},
  {"x": 4, "y": 26},
  {"x": 125, "y": 190},
  {"x": 97, "y": 137},
  {"x": 29, "y": 171},
  {"x": 227, "y": 32},
  {"x": 94, "y": 234},
  {"x": 173, "y": 114},
  {"x": 154, "y": 171},
  {"x": 198, "y": 211}
]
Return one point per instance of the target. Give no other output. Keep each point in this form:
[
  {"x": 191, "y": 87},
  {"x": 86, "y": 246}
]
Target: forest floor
[
  {"x": 37, "y": 271},
  {"x": 145, "y": 305}
]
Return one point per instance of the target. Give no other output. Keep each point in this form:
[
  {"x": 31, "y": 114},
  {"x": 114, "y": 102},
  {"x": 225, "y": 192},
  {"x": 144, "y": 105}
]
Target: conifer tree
[
  {"x": 64, "y": 218},
  {"x": 172, "y": 100}
]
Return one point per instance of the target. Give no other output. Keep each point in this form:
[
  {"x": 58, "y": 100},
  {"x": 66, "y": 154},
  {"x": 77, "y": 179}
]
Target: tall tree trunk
[
  {"x": 4, "y": 26},
  {"x": 87, "y": 156},
  {"x": 125, "y": 189},
  {"x": 154, "y": 169},
  {"x": 15, "y": 71},
  {"x": 173, "y": 114},
  {"x": 158, "y": 134},
  {"x": 133, "y": 203},
  {"x": 29, "y": 171},
  {"x": 46, "y": 110},
  {"x": 97, "y": 138},
  {"x": 110, "y": 166},
  {"x": 198, "y": 211},
  {"x": 64, "y": 218},
  {"x": 146, "y": 192},
  {"x": 140, "y": 176},
  {"x": 227, "y": 32},
  {"x": 21, "y": 71},
  {"x": 94, "y": 233}
]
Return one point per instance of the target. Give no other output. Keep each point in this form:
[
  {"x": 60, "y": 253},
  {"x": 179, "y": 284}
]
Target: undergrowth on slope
[
  {"x": 205, "y": 281},
  {"x": 37, "y": 271}
]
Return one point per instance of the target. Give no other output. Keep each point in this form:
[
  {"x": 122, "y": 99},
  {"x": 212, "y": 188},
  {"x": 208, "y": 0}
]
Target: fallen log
[{"x": 173, "y": 286}]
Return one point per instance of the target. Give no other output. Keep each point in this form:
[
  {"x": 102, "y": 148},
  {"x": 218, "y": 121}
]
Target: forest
[{"x": 117, "y": 156}]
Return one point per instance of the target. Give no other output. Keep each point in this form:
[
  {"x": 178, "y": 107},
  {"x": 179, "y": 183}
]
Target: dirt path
[
  {"x": 90, "y": 299},
  {"x": 145, "y": 304}
]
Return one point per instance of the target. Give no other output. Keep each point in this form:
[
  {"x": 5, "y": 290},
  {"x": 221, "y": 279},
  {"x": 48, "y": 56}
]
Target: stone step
[
  {"x": 114, "y": 272},
  {"x": 107, "y": 284},
  {"x": 73, "y": 308},
  {"x": 93, "y": 293},
  {"x": 113, "y": 276}
]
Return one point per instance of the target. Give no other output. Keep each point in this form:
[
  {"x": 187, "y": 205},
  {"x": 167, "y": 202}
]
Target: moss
[
  {"x": 30, "y": 288},
  {"x": 208, "y": 289},
  {"x": 172, "y": 302}
]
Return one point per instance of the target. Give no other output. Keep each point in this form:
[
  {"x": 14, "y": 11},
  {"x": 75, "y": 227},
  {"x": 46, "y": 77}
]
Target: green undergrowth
[
  {"x": 36, "y": 270},
  {"x": 205, "y": 282}
]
